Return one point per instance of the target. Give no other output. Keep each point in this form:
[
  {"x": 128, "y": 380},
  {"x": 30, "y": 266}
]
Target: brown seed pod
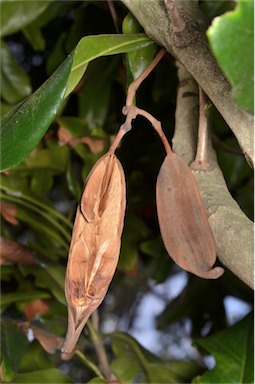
[
  {"x": 95, "y": 245},
  {"x": 183, "y": 221}
]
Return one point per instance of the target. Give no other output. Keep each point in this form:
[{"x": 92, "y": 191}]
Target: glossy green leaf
[
  {"x": 73, "y": 184},
  {"x": 75, "y": 125},
  {"x": 50, "y": 375},
  {"x": 94, "y": 99},
  {"x": 41, "y": 181},
  {"x": 49, "y": 278},
  {"x": 232, "y": 40},
  {"x": 15, "y": 83},
  {"x": 135, "y": 232},
  {"x": 54, "y": 279},
  {"x": 172, "y": 372},
  {"x": 91, "y": 47},
  {"x": 126, "y": 365},
  {"x": 137, "y": 61},
  {"x": 16, "y": 14},
  {"x": 15, "y": 297},
  {"x": 35, "y": 358},
  {"x": 34, "y": 35},
  {"x": 26, "y": 126},
  {"x": 58, "y": 54},
  {"x": 233, "y": 350},
  {"x": 53, "y": 158},
  {"x": 97, "y": 380},
  {"x": 13, "y": 346},
  {"x": 133, "y": 361}
]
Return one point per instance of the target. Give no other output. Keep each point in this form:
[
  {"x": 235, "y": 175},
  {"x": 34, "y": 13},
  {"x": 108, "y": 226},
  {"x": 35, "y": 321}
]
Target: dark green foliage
[{"x": 44, "y": 178}]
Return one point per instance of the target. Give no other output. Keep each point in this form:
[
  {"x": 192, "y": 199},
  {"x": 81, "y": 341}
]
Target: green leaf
[
  {"x": 94, "y": 99},
  {"x": 50, "y": 278},
  {"x": 126, "y": 365},
  {"x": 135, "y": 232},
  {"x": 15, "y": 297},
  {"x": 17, "y": 14},
  {"x": 26, "y": 126},
  {"x": 50, "y": 375},
  {"x": 34, "y": 35},
  {"x": 97, "y": 380},
  {"x": 176, "y": 372},
  {"x": 15, "y": 83},
  {"x": 233, "y": 350},
  {"x": 53, "y": 279},
  {"x": 91, "y": 47},
  {"x": 58, "y": 54},
  {"x": 13, "y": 346},
  {"x": 231, "y": 39},
  {"x": 133, "y": 360},
  {"x": 35, "y": 357},
  {"x": 54, "y": 158},
  {"x": 137, "y": 61}
]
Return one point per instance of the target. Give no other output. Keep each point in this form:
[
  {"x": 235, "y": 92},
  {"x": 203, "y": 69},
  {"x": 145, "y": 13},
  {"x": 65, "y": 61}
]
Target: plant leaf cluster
[{"x": 62, "y": 47}]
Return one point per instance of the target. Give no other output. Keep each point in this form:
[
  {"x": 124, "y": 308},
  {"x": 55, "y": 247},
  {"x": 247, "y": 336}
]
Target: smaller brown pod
[
  {"x": 183, "y": 221},
  {"x": 95, "y": 244}
]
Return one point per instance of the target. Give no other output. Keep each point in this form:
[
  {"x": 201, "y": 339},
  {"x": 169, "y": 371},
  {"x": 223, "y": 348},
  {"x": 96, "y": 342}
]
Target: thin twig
[
  {"x": 88, "y": 363},
  {"x": 136, "y": 83},
  {"x": 96, "y": 340},
  {"x": 131, "y": 111},
  {"x": 134, "y": 111},
  {"x": 113, "y": 14},
  {"x": 200, "y": 162}
]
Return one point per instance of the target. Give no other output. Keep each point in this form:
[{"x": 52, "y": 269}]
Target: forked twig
[{"x": 131, "y": 111}]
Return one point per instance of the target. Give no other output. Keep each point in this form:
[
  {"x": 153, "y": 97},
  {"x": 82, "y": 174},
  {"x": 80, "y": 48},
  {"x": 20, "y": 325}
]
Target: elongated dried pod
[
  {"x": 95, "y": 244},
  {"x": 183, "y": 221}
]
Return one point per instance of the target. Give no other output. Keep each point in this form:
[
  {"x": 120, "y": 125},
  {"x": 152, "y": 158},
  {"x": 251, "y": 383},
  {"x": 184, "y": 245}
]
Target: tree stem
[
  {"x": 96, "y": 340},
  {"x": 200, "y": 162},
  {"x": 136, "y": 83}
]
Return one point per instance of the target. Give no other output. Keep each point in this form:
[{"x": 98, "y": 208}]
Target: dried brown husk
[
  {"x": 16, "y": 253},
  {"x": 95, "y": 244},
  {"x": 183, "y": 221}
]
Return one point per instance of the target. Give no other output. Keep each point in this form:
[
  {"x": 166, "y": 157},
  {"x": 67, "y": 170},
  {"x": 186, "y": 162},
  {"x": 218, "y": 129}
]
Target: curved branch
[
  {"x": 180, "y": 26},
  {"x": 225, "y": 216}
]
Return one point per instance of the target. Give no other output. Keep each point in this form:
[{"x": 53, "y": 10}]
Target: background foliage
[{"x": 50, "y": 140}]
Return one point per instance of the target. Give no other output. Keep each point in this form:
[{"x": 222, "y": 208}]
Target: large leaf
[
  {"x": 15, "y": 297},
  {"x": 175, "y": 372},
  {"x": 50, "y": 375},
  {"x": 231, "y": 39},
  {"x": 91, "y": 47},
  {"x": 135, "y": 232},
  {"x": 133, "y": 361},
  {"x": 24, "y": 128},
  {"x": 15, "y": 83},
  {"x": 16, "y": 14},
  {"x": 13, "y": 346},
  {"x": 136, "y": 61},
  {"x": 94, "y": 99},
  {"x": 234, "y": 353}
]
